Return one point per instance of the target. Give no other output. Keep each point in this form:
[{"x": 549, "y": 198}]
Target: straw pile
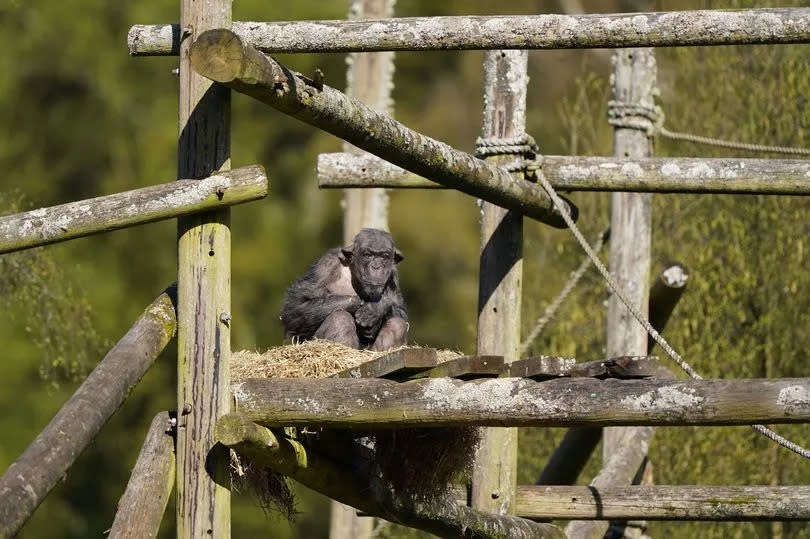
[{"x": 418, "y": 462}]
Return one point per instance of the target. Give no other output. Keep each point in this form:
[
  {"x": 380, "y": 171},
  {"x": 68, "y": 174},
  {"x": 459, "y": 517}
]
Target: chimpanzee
[{"x": 350, "y": 295}]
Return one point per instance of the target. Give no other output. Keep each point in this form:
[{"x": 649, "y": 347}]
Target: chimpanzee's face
[{"x": 371, "y": 258}]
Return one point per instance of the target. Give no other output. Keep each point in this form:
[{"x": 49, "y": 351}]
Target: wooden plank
[
  {"x": 549, "y": 367},
  {"x": 687, "y": 502},
  {"x": 141, "y": 508},
  {"x": 547, "y": 31},
  {"x": 224, "y": 57},
  {"x": 203, "y": 498},
  {"x": 397, "y": 365},
  {"x": 467, "y": 368},
  {"x": 46, "y": 461},
  {"x": 434, "y": 402},
  {"x": 724, "y": 175},
  {"x": 44, "y": 226}
]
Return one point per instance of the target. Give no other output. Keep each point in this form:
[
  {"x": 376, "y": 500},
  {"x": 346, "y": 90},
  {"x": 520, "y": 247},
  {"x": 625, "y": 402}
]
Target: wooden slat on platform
[
  {"x": 546, "y": 367},
  {"x": 467, "y": 368},
  {"x": 396, "y": 365}
]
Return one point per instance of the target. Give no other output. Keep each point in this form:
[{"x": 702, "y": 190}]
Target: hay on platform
[{"x": 419, "y": 462}]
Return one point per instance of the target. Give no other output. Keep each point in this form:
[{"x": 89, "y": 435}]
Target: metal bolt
[
  {"x": 496, "y": 494},
  {"x": 186, "y": 409},
  {"x": 225, "y": 318}
]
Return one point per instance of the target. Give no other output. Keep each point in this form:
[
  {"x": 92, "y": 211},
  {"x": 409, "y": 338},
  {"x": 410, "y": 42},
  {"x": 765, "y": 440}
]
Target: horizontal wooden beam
[
  {"x": 552, "y": 31},
  {"x": 689, "y": 502},
  {"x": 222, "y": 56},
  {"x": 581, "y": 173},
  {"x": 354, "y": 482},
  {"x": 44, "y": 463},
  {"x": 566, "y": 402},
  {"x": 130, "y": 208}
]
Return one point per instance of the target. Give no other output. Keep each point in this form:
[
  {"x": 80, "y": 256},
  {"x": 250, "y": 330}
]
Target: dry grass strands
[{"x": 419, "y": 462}]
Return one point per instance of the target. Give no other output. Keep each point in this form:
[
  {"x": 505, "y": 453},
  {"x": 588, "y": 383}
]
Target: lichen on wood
[
  {"x": 586, "y": 173},
  {"x": 548, "y": 31},
  {"x": 130, "y": 208},
  {"x": 222, "y": 56}
]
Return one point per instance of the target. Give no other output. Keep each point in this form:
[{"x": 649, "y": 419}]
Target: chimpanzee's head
[{"x": 371, "y": 258}]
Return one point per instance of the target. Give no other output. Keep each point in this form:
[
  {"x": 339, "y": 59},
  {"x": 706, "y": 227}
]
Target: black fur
[{"x": 373, "y": 315}]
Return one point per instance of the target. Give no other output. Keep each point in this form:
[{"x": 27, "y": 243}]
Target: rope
[
  {"x": 573, "y": 280},
  {"x": 562, "y": 208},
  {"x": 666, "y": 133},
  {"x": 522, "y": 145}
]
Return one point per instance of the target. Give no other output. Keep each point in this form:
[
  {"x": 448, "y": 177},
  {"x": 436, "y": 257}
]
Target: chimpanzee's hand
[
  {"x": 369, "y": 319},
  {"x": 355, "y": 303}
]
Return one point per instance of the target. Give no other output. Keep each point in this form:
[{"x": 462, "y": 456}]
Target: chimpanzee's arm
[
  {"x": 372, "y": 315},
  {"x": 309, "y": 301}
]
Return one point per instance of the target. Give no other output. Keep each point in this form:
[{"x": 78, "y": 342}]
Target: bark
[
  {"x": 102, "y": 214},
  {"x": 565, "y": 402},
  {"x": 663, "y": 29},
  {"x": 141, "y": 508},
  {"x": 584, "y": 173},
  {"x": 222, "y": 56}
]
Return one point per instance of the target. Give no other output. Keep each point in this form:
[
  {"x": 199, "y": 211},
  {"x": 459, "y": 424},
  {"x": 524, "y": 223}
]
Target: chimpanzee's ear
[
  {"x": 398, "y": 256},
  {"x": 346, "y": 254}
]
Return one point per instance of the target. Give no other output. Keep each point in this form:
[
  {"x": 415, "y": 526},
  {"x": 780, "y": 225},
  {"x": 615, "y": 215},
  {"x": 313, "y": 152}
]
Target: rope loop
[
  {"x": 523, "y": 146},
  {"x": 647, "y": 118}
]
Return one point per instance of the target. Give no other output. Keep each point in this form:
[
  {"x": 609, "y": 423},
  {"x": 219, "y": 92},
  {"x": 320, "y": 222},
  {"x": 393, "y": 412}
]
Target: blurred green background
[{"x": 80, "y": 118}]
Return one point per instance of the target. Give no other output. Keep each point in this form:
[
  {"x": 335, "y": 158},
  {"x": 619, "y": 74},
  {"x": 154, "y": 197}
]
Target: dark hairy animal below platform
[{"x": 350, "y": 295}]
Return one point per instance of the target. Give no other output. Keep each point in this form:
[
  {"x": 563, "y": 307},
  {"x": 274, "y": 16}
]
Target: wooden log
[
  {"x": 396, "y": 365},
  {"x": 586, "y": 173},
  {"x": 222, "y": 56},
  {"x": 44, "y": 463},
  {"x": 359, "y": 487},
  {"x": 500, "y": 276},
  {"x": 203, "y": 505},
  {"x": 141, "y": 508},
  {"x": 663, "y": 29},
  {"x": 665, "y": 293},
  {"x": 689, "y": 502},
  {"x": 139, "y": 206},
  {"x": 564, "y": 402}
]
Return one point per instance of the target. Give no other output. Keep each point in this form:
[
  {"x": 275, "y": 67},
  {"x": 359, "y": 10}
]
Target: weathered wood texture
[
  {"x": 688, "y": 502},
  {"x": 396, "y": 365},
  {"x": 141, "y": 508},
  {"x": 548, "y": 367},
  {"x": 204, "y": 288},
  {"x": 624, "y": 449},
  {"x": 337, "y": 402},
  {"x": 370, "y": 79},
  {"x": 585, "y": 173},
  {"x": 44, "y": 463},
  {"x": 500, "y": 276},
  {"x": 467, "y": 368},
  {"x": 222, "y": 56},
  {"x": 357, "y": 485},
  {"x": 130, "y": 208},
  {"x": 664, "y": 29}
]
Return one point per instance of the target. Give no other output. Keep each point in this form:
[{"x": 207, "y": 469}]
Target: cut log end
[{"x": 218, "y": 55}]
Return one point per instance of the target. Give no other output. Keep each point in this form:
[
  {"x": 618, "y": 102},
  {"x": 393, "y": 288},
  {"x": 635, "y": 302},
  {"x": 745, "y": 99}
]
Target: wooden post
[
  {"x": 204, "y": 295},
  {"x": 634, "y": 80},
  {"x": 501, "y": 271},
  {"x": 369, "y": 78}
]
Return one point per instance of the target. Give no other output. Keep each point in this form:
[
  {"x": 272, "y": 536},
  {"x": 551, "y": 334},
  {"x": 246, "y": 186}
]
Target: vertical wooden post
[
  {"x": 624, "y": 448},
  {"x": 369, "y": 78},
  {"x": 501, "y": 273},
  {"x": 634, "y": 80},
  {"x": 204, "y": 293}
]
